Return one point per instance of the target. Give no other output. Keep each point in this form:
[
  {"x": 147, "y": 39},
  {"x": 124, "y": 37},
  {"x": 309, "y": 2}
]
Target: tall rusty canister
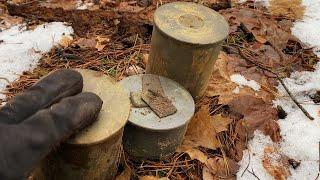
[
  {"x": 94, "y": 152},
  {"x": 186, "y": 41}
]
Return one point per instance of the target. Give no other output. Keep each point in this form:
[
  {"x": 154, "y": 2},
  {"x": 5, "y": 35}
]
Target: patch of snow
[
  {"x": 300, "y": 136},
  {"x": 307, "y": 29},
  {"x": 255, "y": 151},
  {"x": 242, "y": 81},
  {"x": 21, "y": 50}
]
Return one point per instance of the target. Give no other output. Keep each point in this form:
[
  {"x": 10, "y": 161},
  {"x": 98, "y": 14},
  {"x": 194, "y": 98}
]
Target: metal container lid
[
  {"x": 146, "y": 118},
  {"x": 115, "y": 109},
  {"x": 191, "y": 23}
]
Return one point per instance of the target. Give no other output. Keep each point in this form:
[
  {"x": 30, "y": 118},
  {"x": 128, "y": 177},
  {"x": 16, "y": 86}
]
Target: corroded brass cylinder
[{"x": 185, "y": 44}]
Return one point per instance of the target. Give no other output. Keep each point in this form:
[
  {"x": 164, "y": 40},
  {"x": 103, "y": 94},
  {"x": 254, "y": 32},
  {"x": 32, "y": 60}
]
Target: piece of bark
[
  {"x": 152, "y": 83},
  {"x": 159, "y": 104}
]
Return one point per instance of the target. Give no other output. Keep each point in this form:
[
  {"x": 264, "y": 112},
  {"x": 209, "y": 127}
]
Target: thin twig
[
  {"x": 247, "y": 164},
  {"x": 281, "y": 82},
  {"x": 252, "y": 172}
]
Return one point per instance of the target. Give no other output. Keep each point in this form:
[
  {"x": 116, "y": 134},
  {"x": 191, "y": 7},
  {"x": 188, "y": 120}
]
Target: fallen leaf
[
  {"x": 206, "y": 174},
  {"x": 221, "y": 85},
  {"x": 65, "y": 41},
  {"x": 197, "y": 154},
  {"x": 222, "y": 168},
  {"x": 101, "y": 42},
  {"x": 221, "y": 123},
  {"x": 275, "y": 163},
  {"x": 201, "y": 131},
  {"x": 290, "y": 9},
  {"x": 257, "y": 115},
  {"x": 86, "y": 43}
]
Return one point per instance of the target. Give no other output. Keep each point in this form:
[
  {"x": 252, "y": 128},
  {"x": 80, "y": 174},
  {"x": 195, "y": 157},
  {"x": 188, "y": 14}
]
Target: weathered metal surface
[
  {"x": 186, "y": 41},
  {"x": 94, "y": 152},
  {"x": 146, "y": 136}
]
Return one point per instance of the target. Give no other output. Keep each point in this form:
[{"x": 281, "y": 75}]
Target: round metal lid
[
  {"x": 191, "y": 23},
  {"x": 146, "y": 118},
  {"x": 115, "y": 109}
]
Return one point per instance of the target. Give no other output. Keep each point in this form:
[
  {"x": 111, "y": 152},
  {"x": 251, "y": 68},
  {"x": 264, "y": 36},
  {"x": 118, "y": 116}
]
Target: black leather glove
[{"x": 36, "y": 121}]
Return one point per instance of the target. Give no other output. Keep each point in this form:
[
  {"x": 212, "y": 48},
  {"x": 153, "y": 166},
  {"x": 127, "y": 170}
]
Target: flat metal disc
[
  {"x": 191, "y": 23},
  {"x": 115, "y": 109},
  {"x": 146, "y": 118}
]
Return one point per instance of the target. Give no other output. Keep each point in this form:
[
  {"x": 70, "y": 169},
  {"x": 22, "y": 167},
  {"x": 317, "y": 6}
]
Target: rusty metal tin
[
  {"x": 186, "y": 41},
  {"x": 146, "y": 136},
  {"x": 94, "y": 152}
]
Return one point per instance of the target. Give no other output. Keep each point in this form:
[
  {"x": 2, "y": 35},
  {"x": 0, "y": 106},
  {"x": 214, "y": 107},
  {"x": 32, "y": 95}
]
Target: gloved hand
[{"x": 37, "y": 120}]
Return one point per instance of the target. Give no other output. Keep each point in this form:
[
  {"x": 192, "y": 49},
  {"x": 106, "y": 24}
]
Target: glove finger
[
  {"x": 50, "y": 89},
  {"x": 31, "y": 140}
]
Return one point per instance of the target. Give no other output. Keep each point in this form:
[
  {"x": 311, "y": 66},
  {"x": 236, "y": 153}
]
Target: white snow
[
  {"x": 308, "y": 29},
  {"x": 242, "y": 81},
  {"x": 255, "y": 149},
  {"x": 21, "y": 50},
  {"x": 300, "y": 136}
]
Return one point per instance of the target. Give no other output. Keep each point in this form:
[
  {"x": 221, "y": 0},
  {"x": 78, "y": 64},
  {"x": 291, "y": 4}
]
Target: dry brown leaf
[
  {"x": 201, "y": 131},
  {"x": 257, "y": 115},
  {"x": 260, "y": 25},
  {"x": 65, "y": 41},
  {"x": 125, "y": 175},
  {"x": 222, "y": 168},
  {"x": 206, "y": 174},
  {"x": 221, "y": 123},
  {"x": 287, "y": 8},
  {"x": 221, "y": 85},
  {"x": 197, "y": 154},
  {"x": 86, "y": 43},
  {"x": 275, "y": 163},
  {"x": 101, "y": 42}
]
